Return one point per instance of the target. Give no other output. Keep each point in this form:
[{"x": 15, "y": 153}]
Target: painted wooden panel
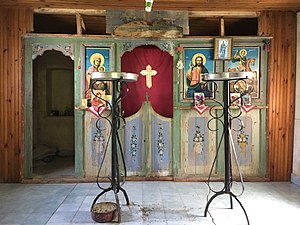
[
  {"x": 242, "y": 140},
  {"x": 97, "y": 149},
  {"x": 247, "y": 144},
  {"x": 133, "y": 148},
  {"x": 148, "y": 143},
  {"x": 198, "y": 143},
  {"x": 161, "y": 145}
]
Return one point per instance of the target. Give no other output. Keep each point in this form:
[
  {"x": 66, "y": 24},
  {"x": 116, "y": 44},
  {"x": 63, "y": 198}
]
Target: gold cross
[{"x": 148, "y": 73}]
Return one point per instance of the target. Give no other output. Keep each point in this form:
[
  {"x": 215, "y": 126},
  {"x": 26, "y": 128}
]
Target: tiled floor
[{"x": 151, "y": 202}]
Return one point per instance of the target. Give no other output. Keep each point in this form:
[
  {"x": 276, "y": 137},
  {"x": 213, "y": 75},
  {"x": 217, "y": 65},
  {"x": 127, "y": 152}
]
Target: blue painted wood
[
  {"x": 242, "y": 139},
  {"x": 198, "y": 141},
  {"x": 99, "y": 141},
  {"x": 161, "y": 144},
  {"x": 133, "y": 144}
]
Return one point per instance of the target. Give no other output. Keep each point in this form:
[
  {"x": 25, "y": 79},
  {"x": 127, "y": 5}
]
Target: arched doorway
[{"x": 53, "y": 115}]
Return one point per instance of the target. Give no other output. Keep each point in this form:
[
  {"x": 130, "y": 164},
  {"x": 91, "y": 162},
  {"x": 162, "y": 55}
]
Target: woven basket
[{"x": 104, "y": 211}]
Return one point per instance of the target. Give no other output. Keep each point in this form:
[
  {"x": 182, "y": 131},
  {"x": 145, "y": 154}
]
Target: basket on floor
[{"x": 104, "y": 211}]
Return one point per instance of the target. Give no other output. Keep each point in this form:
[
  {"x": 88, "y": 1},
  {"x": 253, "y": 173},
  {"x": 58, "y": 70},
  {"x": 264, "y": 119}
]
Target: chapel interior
[
  {"x": 54, "y": 32},
  {"x": 225, "y": 151}
]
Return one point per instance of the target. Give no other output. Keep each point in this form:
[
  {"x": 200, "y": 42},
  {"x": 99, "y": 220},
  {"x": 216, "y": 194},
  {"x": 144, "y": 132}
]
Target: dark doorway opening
[{"x": 53, "y": 115}]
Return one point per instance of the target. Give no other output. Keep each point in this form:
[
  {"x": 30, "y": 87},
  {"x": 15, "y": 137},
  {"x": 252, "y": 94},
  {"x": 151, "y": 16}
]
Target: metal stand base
[{"x": 231, "y": 195}]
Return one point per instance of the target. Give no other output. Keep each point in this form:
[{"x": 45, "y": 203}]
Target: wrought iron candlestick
[
  {"x": 226, "y": 78},
  {"x": 117, "y": 79}
]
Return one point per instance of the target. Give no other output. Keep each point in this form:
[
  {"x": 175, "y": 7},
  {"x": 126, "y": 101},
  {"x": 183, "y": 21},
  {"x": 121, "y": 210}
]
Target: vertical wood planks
[
  {"x": 281, "y": 88},
  {"x": 13, "y": 24}
]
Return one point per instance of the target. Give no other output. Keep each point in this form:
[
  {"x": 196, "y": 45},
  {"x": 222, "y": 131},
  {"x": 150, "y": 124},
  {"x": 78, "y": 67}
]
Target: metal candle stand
[
  {"x": 116, "y": 79},
  {"x": 226, "y": 77}
]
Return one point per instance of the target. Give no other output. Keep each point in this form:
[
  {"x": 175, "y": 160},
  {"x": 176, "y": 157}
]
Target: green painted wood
[
  {"x": 28, "y": 98},
  {"x": 78, "y": 114},
  {"x": 263, "y": 118},
  {"x": 176, "y": 143},
  {"x": 220, "y": 166},
  {"x": 263, "y": 147},
  {"x": 176, "y": 115},
  {"x": 28, "y": 123}
]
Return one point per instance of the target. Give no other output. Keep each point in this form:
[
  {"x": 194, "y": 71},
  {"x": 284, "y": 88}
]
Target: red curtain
[{"x": 161, "y": 92}]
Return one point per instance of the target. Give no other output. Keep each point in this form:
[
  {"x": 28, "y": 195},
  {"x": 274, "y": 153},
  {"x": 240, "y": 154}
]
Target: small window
[
  {"x": 66, "y": 24},
  {"x": 201, "y": 26}
]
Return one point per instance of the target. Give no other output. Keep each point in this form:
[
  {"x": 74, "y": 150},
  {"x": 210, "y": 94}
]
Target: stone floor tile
[
  {"x": 152, "y": 203},
  {"x": 176, "y": 215},
  {"x": 36, "y": 219},
  {"x": 69, "y": 207},
  {"x": 62, "y": 217},
  {"x": 154, "y": 223},
  {"x": 82, "y": 217},
  {"x": 57, "y": 223},
  {"x": 14, "y": 218}
]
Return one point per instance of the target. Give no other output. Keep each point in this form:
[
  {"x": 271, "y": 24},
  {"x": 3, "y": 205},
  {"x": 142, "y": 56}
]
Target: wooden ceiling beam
[
  {"x": 199, "y": 14},
  {"x": 185, "y": 5},
  {"x": 90, "y": 12},
  {"x": 217, "y": 14}
]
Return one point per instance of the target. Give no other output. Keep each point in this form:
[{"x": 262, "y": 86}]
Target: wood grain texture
[
  {"x": 281, "y": 88},
  {"x": 13, "y": 24},
  {"x": 189, "y": 5}
]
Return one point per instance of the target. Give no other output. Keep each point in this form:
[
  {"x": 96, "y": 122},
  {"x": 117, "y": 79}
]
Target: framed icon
[
  {"x": 97, "y": 59},
  {"x": 223, "y": 48},
  {"x": 197, "y": 62},
  {"x": 246, "y": 59}
]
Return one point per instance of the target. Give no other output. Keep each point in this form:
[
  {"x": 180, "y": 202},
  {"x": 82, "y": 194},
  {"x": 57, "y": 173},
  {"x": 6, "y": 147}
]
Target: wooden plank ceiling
[
  {"x": 57, "y": 16},
  {"x": 189, "y": 5}
]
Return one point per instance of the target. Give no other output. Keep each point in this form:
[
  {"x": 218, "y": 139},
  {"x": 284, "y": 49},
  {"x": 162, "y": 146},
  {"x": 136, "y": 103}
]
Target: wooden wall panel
[
  {"x": 281, "y": 91},
  {"x": 13, "y": 24},
  {"x": 281, "y": 25}
]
